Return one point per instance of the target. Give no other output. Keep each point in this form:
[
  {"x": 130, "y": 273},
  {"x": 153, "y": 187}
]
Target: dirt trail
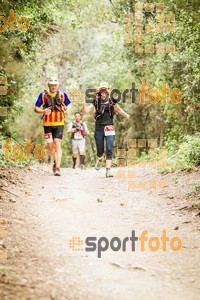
[{"x": 82, "y": 203}]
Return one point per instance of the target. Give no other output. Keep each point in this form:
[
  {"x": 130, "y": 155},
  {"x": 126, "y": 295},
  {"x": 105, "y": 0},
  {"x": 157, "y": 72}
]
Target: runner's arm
[
  {"x": 70, "y": 129},
  {"x": 39, "y": 110},
  {"x": 67, "y": 104},
  {"x": 121, "y": 111},
  {"x": 38, "y": 104},
  {"x": 67, "y": 111},
  {"x": 87, "y": 109}
]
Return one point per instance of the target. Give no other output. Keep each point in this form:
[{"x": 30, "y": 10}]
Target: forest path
[{"x": 83, "y": 203}]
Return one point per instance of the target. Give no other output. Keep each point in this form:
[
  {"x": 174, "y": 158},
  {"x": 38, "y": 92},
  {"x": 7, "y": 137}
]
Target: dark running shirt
[{"x": 105, "y": 118}]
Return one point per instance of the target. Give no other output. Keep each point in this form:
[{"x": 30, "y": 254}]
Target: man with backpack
[
  {"x": 55, "y": 105},
  {"x": 78, "y": 130}
]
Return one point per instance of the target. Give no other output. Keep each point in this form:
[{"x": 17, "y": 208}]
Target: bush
[{"x": 183, "y": 155}]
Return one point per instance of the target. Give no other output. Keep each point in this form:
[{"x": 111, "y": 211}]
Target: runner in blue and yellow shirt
[{"x": 55, "y": 105}]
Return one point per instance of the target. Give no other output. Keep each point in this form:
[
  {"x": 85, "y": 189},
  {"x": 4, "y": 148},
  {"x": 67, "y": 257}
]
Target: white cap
[
  {"x": 53, "y": 80},
  {"x": 104, "y": 85}
]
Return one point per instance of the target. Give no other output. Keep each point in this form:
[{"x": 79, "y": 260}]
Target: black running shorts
[{"x": 56, "y": 131}]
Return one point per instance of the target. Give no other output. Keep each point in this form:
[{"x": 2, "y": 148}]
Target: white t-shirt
[{"x": 78, "y": 135}]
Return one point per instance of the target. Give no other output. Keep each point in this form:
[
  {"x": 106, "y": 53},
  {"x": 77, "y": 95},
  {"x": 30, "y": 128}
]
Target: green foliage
[
  {"x": 18, "y": 51},
  {"x": 184, "y": 153},
  {"x": 11, "y": 161},
  {"x": 179, "y": 155},
  {"x": 82, "y": 42}
]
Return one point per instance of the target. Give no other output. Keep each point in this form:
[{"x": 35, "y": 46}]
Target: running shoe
[
  {"x": 108, "y": 173},
  {"x": 98, "y": 164},
  {"x": 54, "y": 167},
  {"x": 57, "y": 172}
]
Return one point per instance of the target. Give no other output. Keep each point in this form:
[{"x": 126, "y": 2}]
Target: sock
[
  {"x": 82, "y": 159},
  {"x": 74, "y": 162}
]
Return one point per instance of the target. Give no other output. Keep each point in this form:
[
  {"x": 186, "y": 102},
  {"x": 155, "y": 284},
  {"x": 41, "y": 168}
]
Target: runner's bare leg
[
  {"x": 58, "y": 152},
  {"x": 51, "y": 148},
  {"x": 108, "y": 163}
]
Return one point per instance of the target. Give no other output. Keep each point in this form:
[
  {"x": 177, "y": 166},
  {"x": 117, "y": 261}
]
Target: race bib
[
  {"x": 48, "y": 137},
  {"x": 78, "y": 135},
  {"x": 109, "y": 130}
]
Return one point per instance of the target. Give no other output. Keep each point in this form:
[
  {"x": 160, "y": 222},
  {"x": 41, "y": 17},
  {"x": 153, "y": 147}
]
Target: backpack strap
[
  {"x": 46, "y": 99},
  {"x": 61, "y": 97}
]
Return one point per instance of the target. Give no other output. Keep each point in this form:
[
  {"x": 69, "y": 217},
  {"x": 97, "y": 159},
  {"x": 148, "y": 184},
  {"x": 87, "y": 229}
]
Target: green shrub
[{"x": 183, "y": 155}]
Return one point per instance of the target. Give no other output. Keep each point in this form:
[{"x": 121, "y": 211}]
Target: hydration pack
[
  {"x": 78, "y": 128},
  {"x": 100, "y": 107},
  {"x": 54, "y": 103}
]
